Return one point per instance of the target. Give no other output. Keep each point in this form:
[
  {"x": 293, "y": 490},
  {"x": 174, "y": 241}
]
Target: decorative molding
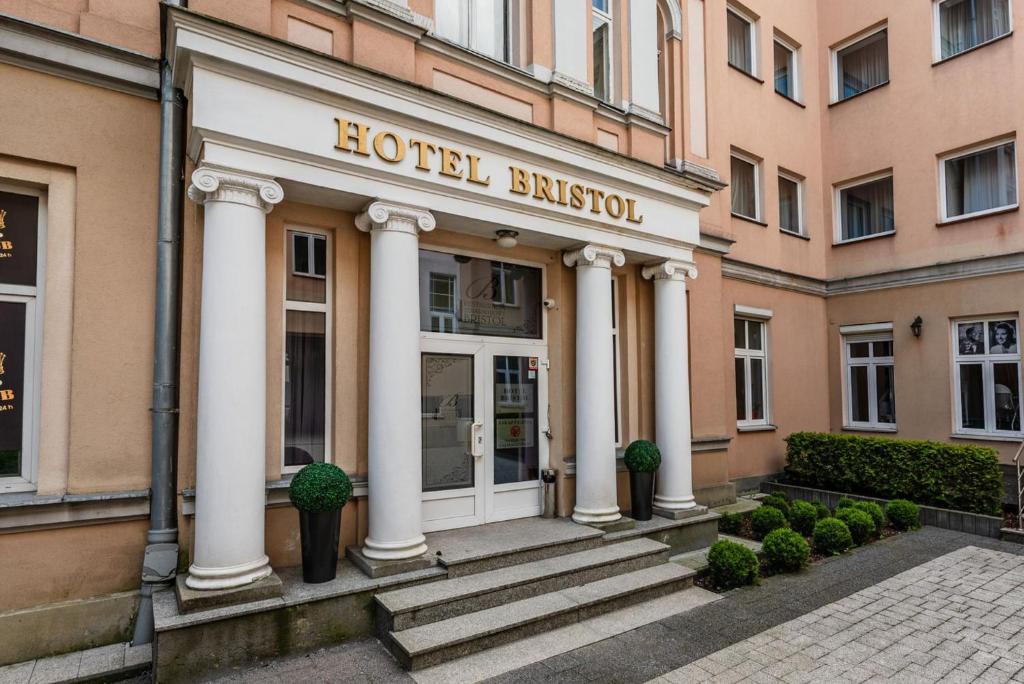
[
  {"x": 392, "y": 15},
  {"x": 936, "y": 273},
  {"x": 649, "y": 114},
  {"x": 670, "y": 270},
  {"x": 594, "y": 255},
  {"x": 277, "y": 494},
  {"x": 675, "y": 15},
  {"x": 384, "y": 215},
  {"x": 71, "y": 56},
  {"x": 211, "y": 184},
  {"x": 864, "y": 328},
  {"x": 23, "y": 512},
  {"x": 710, "y": 443},
  {"x": 574, "y": 84},
  {"x": 715, "y": 244},
  {"x": 700, "y": 177},
  {"x": 751, "y": 273}
]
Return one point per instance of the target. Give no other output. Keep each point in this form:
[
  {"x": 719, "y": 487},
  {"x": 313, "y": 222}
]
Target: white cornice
[
  {"x": 738, "y": 270},
  {"x": 71, "y": 56}
]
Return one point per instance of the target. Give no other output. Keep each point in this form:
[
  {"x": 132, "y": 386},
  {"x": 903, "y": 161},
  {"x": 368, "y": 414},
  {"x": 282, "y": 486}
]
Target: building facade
[{"x": 449, "y": 246}]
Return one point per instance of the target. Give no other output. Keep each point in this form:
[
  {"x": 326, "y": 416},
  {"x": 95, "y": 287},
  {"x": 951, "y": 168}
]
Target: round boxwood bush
[
  {"x": 765, "y": 519},
  {"x": 320, "y": 487},
  {"x": 903, "y": 514},
  {"x": 822, "y": 509},
  {"x": 730, "y": 523},
  {"x": 875, "y": 511},
  {"x": 731, "y": 565},
  {"x": 845, "y": 502},
  {"x": 642, "y": 456},
  {"x": 860, "y": 524},
  {"x": 802, "y": 517},
  {"x": 832, "y": 537},
  {"x": 777, "y": 501},
  {"x": 786, "y": 550}
]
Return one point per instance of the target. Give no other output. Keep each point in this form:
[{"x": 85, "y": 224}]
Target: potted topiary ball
[
  {"x": 643, "y": 460},
  {"x": 320, "y": 491}
]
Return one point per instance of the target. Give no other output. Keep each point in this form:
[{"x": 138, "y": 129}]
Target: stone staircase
[{"x": 494, "y": 599}]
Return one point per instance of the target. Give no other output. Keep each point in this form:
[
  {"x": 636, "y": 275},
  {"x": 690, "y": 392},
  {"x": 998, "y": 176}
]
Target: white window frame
[
  {"x": 883, "y": 334},
  {"x": 837, "y": 209},
  {"x": 469, "y": 26},
  {"x": 445, "y": 319},
  {"x": 988, "y": 379},
  {"x": 754, "y": 316},
  {"x": 618, "y": 361},
  {"x": 505, "y": 287},
  {"x": 937, "y": 32},
  {"x": 751, "y": 21},
  {"x": 794, "y": 77},
  {"x": 325, "y": 308},
  {"x": 311, "y": 239},
  {"x": 600, "y": 18},
  {"x": 801, "y": 227},
  {"x": 943, "y": 216},
  {"x": 758, "y": 193},
  {"x": 33, "y": 298},
  {"x": 834, "y": 93}
]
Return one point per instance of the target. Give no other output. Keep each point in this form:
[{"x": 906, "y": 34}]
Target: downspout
[{"x": 161, "y": 559}]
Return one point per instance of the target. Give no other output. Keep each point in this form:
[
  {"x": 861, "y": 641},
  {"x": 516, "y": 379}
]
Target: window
[
  {"x": 987, "y": 376},
  {"x": 785, "y": 70},
  {"x": 861, "y": 65},
  {"x": 791, "y": 211},
  {"x": 966, "y": 24},
  {"x": 751, "y": 372},
  {"x": 22, "y": 237},
  {"x": 615, "y": 362},
  {"x": 979, "y": 181},
  {"x": 307, "y": 352},
  {"x": 442, "y": 302},
  {"x": 870, "y": 389},
  {"x": 480, "y": 25},
  {"x": 504, "y": 287},
  {"x": 602, "y": 28},
  {"x": 745, "y": 187},
  {"x": 742, "y": 50},
  {"x": 865, "y": 209}
]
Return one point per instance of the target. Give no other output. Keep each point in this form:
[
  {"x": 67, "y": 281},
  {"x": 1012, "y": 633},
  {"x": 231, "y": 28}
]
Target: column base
[
  {"x": 679, "y": 513},
  {"x": 589, "y": 516},
  {"x": 373, "y": 567},
  {"x": 190, "y": 600},
  {"x": 392, "y": 551},
  {"x": 231, "y": 577}
]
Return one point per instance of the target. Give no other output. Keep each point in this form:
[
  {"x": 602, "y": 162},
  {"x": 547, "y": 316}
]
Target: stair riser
[
  {"x": 502, "y": 596},
  {"x": 545, "y": 624},
  {"x": 527, "y": 556}
]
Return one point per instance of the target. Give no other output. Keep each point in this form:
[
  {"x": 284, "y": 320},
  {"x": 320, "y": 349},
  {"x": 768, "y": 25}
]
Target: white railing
[{"x": 1020, "y": 486}]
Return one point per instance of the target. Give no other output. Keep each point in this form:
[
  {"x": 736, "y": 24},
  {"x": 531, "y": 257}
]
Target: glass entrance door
[{"x": 514, "y": 416}]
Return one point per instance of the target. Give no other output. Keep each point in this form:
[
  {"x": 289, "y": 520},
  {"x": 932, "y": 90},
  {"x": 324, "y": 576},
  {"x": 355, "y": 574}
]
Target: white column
[
  {"x": 231, "y": 431},
  {"x": 572, "y": 42},
  {"x": 596, "y": 500},
  {"x": 394, "y": 441},
  {"x": 674, "y": 493},
  {"x": 644, "y": 43}
]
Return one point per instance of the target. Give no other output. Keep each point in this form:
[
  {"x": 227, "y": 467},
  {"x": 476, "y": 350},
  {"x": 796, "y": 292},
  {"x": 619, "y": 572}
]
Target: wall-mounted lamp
[
  {"x": 915, "y": 327},
  {"x": 507, "y": 238}
]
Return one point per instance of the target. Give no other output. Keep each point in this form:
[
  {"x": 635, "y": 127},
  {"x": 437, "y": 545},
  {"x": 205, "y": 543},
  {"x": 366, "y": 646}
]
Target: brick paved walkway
[{"x": 957, "y": 618}]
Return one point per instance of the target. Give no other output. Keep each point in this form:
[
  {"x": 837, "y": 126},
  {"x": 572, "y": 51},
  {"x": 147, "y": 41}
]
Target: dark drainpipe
[{"x": 161, "y": 560}]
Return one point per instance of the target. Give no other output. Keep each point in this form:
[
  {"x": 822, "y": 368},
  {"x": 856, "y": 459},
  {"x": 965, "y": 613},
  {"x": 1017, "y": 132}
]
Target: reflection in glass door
[
  {"x": 447, "y": 419},
  {"x": 515, "y": 419}
]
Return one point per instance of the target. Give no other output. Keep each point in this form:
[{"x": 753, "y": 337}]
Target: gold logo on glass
[{"x": 3, "y": 357}]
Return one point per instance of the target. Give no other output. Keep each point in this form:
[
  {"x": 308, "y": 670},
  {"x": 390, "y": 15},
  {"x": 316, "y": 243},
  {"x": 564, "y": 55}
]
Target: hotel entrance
[{"x": 483, "y": 380}]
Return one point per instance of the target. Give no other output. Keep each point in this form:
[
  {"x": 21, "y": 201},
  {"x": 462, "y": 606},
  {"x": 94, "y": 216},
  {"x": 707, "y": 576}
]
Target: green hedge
[{"x": 962, "y": 477}]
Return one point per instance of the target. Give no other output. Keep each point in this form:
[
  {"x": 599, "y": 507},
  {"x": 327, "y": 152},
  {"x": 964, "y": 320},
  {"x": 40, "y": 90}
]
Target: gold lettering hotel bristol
[{"x": 355, "y": 138}]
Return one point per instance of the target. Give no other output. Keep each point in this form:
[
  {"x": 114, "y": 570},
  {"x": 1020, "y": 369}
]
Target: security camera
[{"x": 549, "y": 303}]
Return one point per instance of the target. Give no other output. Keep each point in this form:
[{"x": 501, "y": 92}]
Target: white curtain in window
[
  {"x": 966, "y": 23},
  {"x": 867, "y": 209},
  {"x": 451, "y": 20},
  {"x": 980, "y": 181},
  {"x": 490, "y": 34},
  {"x": 739, "y": 43},
  {"x": 744, "y": 197},
  {"x": 863, "y": 65}
]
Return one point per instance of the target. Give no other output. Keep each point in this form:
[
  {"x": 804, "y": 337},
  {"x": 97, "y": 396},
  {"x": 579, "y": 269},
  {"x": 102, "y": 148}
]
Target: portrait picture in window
[
  {"x": 1002, "y": 337},
  {"x": 971, "y": 338}
]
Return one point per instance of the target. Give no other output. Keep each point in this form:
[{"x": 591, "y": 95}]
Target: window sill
[
  {"x": 745, "y": 73},
  {"x": 798, "y": 103},
  {"x": 987, "y": 438},
  {"x": 854, "y": 241},
  {"x": 796, "y": 235},
  {"x": 756, "y": 428},
  {"x": 972, "y": 49},
  {"x": 977, "y": 215},
  {"x": 750, "y": 220},
  {"x": 869, "y": 428},
  {"x": 854, "y": 97}
]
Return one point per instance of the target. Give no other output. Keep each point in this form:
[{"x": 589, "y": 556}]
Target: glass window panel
[
  {"x": 451, "y": 20},
  {"x": 739, "y": 332},
  {"x": 743, "y": 188},
  {"x": 447, "y": 420},
  {"x": 12, "y": 386},
  {"x": 886, "y": 395},
  {"x": 756, "y": 389},
  {"x": 489, "y": 28},
  {"x": 740, "y": 55},
  {"x": 784, "y": 70},
  {"x": 789, "y": 205},
  {"x": 972, "y": 396},
  {"x": 741, "y": 390},
  {"x": 882, "y": 348},
  {"x": 970, "y": 338},
  {"x": 964, "y": 24},
  {"x": 601, "y": 5},
  {"x": 602, "y": 60},
  {"x": 981, "y": 181},
  {"x": 1006, "y": 391},
  {"x": 515, "y": 420},
  {"x": 1002, "y": 337},
  {"x": 491, "y": 298},
  {"x": 300, "y": 287},
  {"x": 867, "y": 209},
  {"x": 860, "y": 350},
  {"x": 19, "y": 238},
  {"x": 859, "y": 395},
  {"x": 755, "y": 332},
  {"x": 305, "y": 382},
  {"x": 863, "y": 65},
  {"x": 320, "y": 256}
]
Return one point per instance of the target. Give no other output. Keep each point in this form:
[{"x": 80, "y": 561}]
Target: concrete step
[
  {"x": 687, "y": 534},
  {"x": 422, "y": 604},
  {"x": 444, "y": 640}
]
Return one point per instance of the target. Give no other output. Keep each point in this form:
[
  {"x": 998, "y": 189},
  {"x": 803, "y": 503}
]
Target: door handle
[{"x": 476, "y": 440}]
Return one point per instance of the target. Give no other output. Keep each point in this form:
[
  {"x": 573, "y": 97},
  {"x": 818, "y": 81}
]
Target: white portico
[{"x": 406, "y": 162}]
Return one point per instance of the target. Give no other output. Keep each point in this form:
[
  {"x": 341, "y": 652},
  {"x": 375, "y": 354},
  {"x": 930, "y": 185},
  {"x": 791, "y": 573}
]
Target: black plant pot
[
  {"x": 320, "y": 532},
  {"x": 641, "y": 493}
]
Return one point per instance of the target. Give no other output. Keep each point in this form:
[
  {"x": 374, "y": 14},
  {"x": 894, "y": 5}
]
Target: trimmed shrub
[
  {"x": 765, "y": 519},
  {"x": 875, "y": 511},
  {"x": 963, "y": 477},
  {"x": 822, "y": 509},
  {"x": 642, "y": 456},
  {"x": 860, "y": 524},
  {"x": 786, "y": 550},
  {"x": 730, "y": 523},
  {"x": 832, "y": 537},
  {"x": 320, "y": 487},
  {"x": 731, "y": 565},
  {"x": 903, "y": 514},
  {"x": 802, "y": 517},
  {"x": 776, "y": 501},
  {"x": 844, "y": 502}
]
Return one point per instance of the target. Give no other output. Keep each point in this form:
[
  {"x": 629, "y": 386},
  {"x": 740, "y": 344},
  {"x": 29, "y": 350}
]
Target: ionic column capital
[
  {"x": 670, "y": 270},
  {"x": 384, "y": 215},
  {"x": 594, "y": 255},
  {"x": 212, "y": 184}
]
